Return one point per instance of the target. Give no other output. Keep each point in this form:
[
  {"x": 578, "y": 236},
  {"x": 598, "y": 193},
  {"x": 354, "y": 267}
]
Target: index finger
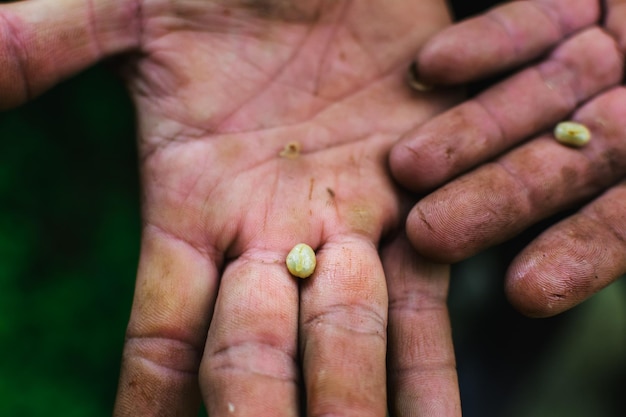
[
  {"x": 502, "y": 38},
  {"x": 174, "y": 297}
]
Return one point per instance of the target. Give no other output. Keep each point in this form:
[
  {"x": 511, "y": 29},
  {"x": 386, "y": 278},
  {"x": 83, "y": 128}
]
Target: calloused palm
[{"x": 222, "y": 88}]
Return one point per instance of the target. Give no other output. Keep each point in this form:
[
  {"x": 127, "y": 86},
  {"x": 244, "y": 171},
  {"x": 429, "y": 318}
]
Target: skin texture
[
  {"x": 221, "y": 87},
  {"x": 506, "y": 170}
]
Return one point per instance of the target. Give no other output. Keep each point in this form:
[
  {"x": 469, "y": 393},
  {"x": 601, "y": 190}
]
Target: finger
[
  {"x": 174, "y": 296},
  {"x": 343, "y": 323},
  {"x": 501, "y": 38},
  {"x": 502, "y": 198},
  {"x": 249, "y": 366},
  {"x": 615, "y": 18},
  {"x": 44, "y": 42},
  {"x": 509, "y": 112},
  {"x": 573, "y": 259},
  {"x": 420, "y": 362}
]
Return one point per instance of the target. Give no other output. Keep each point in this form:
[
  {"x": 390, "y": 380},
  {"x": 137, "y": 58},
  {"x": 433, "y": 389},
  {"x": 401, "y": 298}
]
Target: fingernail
[{"x": 414, "y": 80}]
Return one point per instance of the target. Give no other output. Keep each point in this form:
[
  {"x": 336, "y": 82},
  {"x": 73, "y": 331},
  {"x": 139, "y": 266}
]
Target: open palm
[{"x": 263, "y": 124}]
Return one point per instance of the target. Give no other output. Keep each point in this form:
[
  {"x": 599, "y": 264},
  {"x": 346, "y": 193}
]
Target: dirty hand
[
  {"x": 262, "y": 124},
  {"x": 507, "y": 170}
]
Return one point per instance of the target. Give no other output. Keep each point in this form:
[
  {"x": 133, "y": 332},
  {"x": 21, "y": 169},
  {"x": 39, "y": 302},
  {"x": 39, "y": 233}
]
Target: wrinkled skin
[
  {"x": 221, "y": 87},
  {"x": 507, "y": 171}
]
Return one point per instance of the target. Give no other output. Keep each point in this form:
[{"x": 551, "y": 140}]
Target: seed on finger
[
  {"x": 572, "y": 134},
  {"x": 301, "y": 261}
]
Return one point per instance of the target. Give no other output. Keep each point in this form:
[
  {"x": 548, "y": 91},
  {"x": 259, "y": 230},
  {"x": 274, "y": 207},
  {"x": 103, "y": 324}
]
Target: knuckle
[
  {"x": 250, "y": 357},
  {"x": 166, "y": 353},
  {"x": 418, "y": 301},
  {"x": 352, "y": 318}
]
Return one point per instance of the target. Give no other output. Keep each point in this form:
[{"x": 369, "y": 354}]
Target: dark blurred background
[{"x": 69, "y": 241}]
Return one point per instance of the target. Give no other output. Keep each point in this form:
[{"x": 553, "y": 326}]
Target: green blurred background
[{"x": 69, "y": 241}]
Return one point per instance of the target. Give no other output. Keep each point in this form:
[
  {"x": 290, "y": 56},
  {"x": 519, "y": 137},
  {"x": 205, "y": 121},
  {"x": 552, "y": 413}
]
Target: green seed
[
  {"x": 301, "y": 261},
  {"x": 572, "y": 134}
]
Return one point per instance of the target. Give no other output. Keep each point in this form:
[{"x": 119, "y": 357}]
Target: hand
[
  {"x": 525, "y": 174},
  {"x": 222, "y": 88}
]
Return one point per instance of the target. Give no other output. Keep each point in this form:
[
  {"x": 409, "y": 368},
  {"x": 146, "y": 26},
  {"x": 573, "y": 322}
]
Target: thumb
[{"x": 45, "y": 41}]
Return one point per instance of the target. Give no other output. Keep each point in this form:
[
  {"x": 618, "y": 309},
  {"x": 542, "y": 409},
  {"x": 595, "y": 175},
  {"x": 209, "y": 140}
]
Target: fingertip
[
  {"x": 424, "y": 233},
  {"x": 525, "y": 292},
  {"x": 472, "y": 213},
  {"x": 419, "y": 230},
  {"x": 406, "y": 163},
  {"x": 544, "y": 281},
  {"x": 465, "y": 52},
  {"x": 420, "y": 161},
  {"x": 439, "y": 60}
]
